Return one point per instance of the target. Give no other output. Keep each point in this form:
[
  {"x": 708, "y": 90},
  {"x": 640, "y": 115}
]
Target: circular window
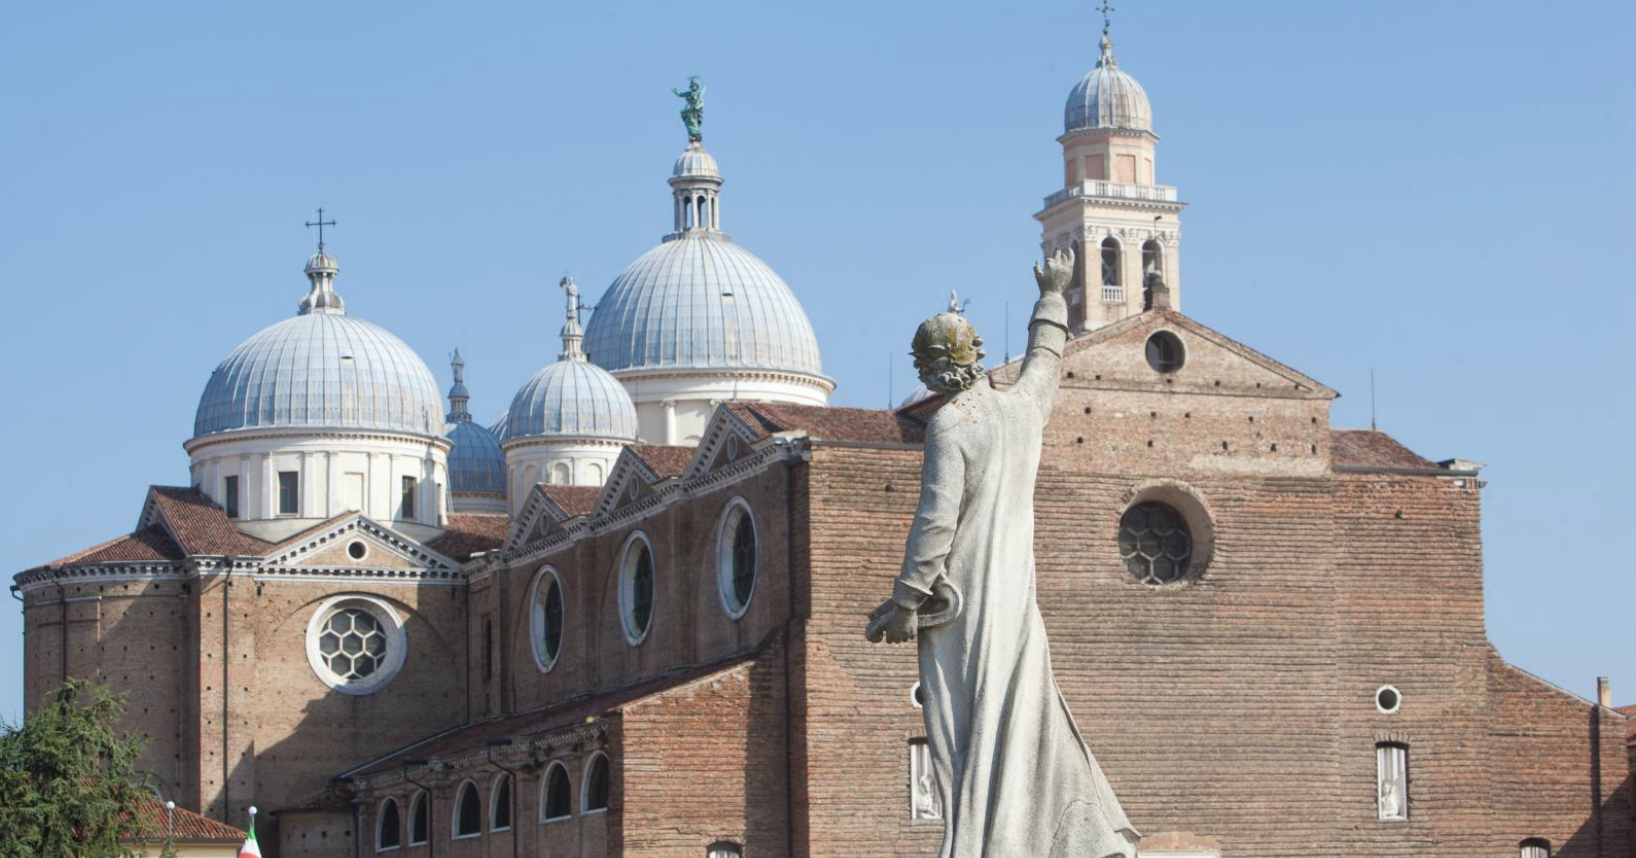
[
  {"x": 1165, "y": 352},
  {"x": 917, "y": 697},
  {"x": 736, "y": 557},
  {"x": 1155, "y": 542},
  {"x": 1387, "y": 699},
  {"x": 545, "y": 618},
  {"x": 636, "y": 588},
  {"x": 357, "y": 549},
  {"x": 355, "y": 644}
]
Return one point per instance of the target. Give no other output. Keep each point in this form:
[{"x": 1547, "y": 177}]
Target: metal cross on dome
[
  {"x": 1105, "y": 9},
  {"x": 320, "y": 223}
]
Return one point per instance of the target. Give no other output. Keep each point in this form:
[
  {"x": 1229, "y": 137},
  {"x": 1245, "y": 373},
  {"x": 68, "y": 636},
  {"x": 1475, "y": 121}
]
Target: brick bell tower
[{"x": 1121, "y": 224}]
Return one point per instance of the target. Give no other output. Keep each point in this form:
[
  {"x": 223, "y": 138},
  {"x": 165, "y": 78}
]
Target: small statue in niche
[{"x": 1013, "y": 775}]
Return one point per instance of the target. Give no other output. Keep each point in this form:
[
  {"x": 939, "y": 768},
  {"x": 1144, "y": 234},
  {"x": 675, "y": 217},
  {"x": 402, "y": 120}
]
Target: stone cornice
[
  {"x": 821, "y": 382},
  {"x": 192, "y": 445}
]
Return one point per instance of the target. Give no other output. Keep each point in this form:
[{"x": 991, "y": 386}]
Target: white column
[{"x": 669, "y": 406}]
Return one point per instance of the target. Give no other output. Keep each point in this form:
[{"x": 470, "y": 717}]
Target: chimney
[
  {"x": 1158, "y": 294},
  {"x": 1604, "y": 693}
]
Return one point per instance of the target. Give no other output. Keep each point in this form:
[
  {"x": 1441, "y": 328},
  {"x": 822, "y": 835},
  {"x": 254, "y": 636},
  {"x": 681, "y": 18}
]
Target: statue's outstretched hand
[
  {"x": 891, "y": 621},
  {"x": 1057, "y": 272}
]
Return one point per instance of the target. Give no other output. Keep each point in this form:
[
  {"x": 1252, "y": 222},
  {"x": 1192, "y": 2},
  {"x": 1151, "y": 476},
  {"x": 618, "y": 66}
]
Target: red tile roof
[
  {"x": 152, "y": 822},
  {"x": 666, "y": 461},
  {"x": 150, "y": 544},
  {"x": 575, "y": 710},
  {"x": 1367, "y": 448},
  {"x": 574, "y": 500},
  {"x": 467, "y": 533},
  {"x": 1630, "y": 726},
  {"x": 857, "y": 425},
  {"x": 201, "y": 526}
]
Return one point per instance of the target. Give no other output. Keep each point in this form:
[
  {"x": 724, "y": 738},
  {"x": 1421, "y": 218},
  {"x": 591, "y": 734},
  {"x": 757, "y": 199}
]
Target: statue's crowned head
[{"x": 948, "y": 353}]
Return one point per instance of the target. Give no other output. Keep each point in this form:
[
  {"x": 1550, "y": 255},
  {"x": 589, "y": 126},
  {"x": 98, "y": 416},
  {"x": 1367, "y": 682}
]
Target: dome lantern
[{"x": 477, "y": 466}]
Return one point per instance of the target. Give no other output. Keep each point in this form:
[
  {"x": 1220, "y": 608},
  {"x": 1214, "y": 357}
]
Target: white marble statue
[{"x": 1014, "y": 777}]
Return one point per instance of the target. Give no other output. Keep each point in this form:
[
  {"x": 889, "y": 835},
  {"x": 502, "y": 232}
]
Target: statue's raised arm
[{"x": 693, "y": 110}]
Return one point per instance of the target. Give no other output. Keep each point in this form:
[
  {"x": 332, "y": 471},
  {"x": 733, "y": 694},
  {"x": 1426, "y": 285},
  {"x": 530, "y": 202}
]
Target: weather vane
[
  {"x": 1105, "y": 9},
  {"x": 320, "y": 223}
]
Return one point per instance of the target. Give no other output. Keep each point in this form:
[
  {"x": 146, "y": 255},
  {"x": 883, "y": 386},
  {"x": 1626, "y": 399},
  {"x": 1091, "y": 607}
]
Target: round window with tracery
[
  {"x": 355, "y": 644},
  {"x": 736, "y": 558},
  {"x": 1155, "y": 543}
]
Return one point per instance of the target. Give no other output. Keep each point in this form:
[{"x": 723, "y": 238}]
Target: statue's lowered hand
[
  {"x": 891, "y": 621},
  {"x": 1057, "y": 272}
]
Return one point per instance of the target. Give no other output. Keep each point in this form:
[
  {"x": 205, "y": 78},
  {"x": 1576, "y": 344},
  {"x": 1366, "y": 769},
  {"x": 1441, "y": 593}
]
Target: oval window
[
  {"x": 545, "y": 618},
  {"x": 736, "y": 558},
  {"x": 636, "y": 589}
]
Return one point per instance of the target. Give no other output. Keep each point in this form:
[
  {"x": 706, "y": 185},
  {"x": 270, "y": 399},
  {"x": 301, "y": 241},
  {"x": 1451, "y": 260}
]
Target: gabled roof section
[
  {"x": 573, "y": 712},
  {"x": 1370, "y": 448},
  {"x": 197, "y": 524},
  {"x": 1291, "y": 382},
  {"x": 549, "y": 502},
  {"x": 468, "y": 533},
  {"x": 637, "y": 473},
  {"x": 151, "y": 822},
  {"x": 321, "y": 546},
  {"x": 151, "y": 544},
  {"x": 825, "y": 423}
]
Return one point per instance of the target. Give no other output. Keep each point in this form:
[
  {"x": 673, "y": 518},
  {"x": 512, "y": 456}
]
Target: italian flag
[{"x": 251, "y": 849}]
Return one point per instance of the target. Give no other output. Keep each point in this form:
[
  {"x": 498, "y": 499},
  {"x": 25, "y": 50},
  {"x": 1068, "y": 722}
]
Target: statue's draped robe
[{"x": 1015, "y": 777}]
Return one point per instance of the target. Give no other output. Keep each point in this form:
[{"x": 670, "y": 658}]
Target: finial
[
  {"x": 1107, "y": 20},
  {"x": 1107, "y": 43},
  {"x": 955, "y": 304},
  {"x": 458, "y": 397},
  {"x": 320, "y": 223},
  {"x": 693, "y": 110},
  {"x": 572, "y": 333}
]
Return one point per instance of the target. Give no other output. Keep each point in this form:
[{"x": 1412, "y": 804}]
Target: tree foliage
[{"x": 69, "y": 785}]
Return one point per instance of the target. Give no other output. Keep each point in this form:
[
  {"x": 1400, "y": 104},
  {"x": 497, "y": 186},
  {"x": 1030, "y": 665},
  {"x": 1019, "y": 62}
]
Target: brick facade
[{"x": 1238, "y": 704}]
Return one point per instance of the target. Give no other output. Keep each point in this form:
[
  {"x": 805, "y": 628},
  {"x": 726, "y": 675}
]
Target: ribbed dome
[
  {"x": 1107, "y": 98},
  {"x": 696, "y": 163},
  {"x": 699, "y": 300},
  {"x": 321, "y": 369},
  {"x": 572, "y": 398},
  {"x": 476, "y": 464}
]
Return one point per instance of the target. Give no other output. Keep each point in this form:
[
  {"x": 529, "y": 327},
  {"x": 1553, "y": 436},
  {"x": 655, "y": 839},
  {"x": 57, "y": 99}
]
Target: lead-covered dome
[
  {"x": 700, "y": 301},
  {"x": 321, "y": 369},
  {"x": 1107, "y": 98},
  {"x": 572, "y": 398},
  {"x": 476, "y": 462}
]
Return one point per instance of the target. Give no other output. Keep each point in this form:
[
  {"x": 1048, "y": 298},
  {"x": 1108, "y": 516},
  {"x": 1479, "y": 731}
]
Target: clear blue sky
[{"x": 1436, "y": 191}]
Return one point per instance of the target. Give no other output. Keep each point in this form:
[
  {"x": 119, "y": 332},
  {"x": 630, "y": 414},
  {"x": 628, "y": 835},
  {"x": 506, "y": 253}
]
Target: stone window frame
[
  {"x": 459, "y": 803},
  {"x": 495, "y": 784},
  {"x": 1383, "y": 751},
  {"x": 536, "y": 621},
  {"x": 1534, "y": 847},
  {"x": 1397, "y": 695},
  {"x": 724, "y": 849},
  {"x": 625, "y": 575},
  {"x": 920, "y": 765},
  {"x": 1195, "y": 511},
  {"x": 420, "y": 802},
  {"x": 391, "y": 623},
  {"x": 723, "y": 560},
  {"x": 545, "y": 792},
  {"x": 380, "y": 826},
  {"x": 585, "y": 808}
]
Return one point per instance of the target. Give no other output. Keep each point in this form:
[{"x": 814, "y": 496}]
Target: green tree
[{"x": 69, "y": 786}]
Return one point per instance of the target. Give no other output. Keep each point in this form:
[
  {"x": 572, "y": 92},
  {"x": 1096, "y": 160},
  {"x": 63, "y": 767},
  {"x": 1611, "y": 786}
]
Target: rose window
[
  {"x": 352, "y": 644},
  {"x": 1155, "y": 543}
]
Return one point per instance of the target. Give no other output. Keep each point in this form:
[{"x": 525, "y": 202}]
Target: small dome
[
  {"x": 699, "y": 300},
  {"x": 696, "y": 163},
  {"x": 321, "y": 369},
  {"x": 322, "y": 261},
  {"x": 572, "y": 398},
  {"x": 476, "y": 464},
  {"x": 1107, "y": 98}
]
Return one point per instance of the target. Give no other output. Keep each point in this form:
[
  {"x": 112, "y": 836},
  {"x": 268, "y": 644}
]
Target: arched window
[
  {"x": 468, "y": 812},
  {"x": 1392, "y": 780},
  {"x": 595, "y": 799},
  {"x": 1535, "y": 847},
  {"x": 593, "y": 473},
  {"x": 636, "y": 588},
  {"x": 736, "y": 557},
  {"x": 545, "y": 618},
  {"x": 557, "y": 797},
  {"x": 420, "y": 819},
  {"x": 388, "y": 828},
  {"x": 1153, "y": 258},
  {"x": 560, "y": 474},
  {"x": 1110, "y": 261},
  {"x": 500, "y": 804}
]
